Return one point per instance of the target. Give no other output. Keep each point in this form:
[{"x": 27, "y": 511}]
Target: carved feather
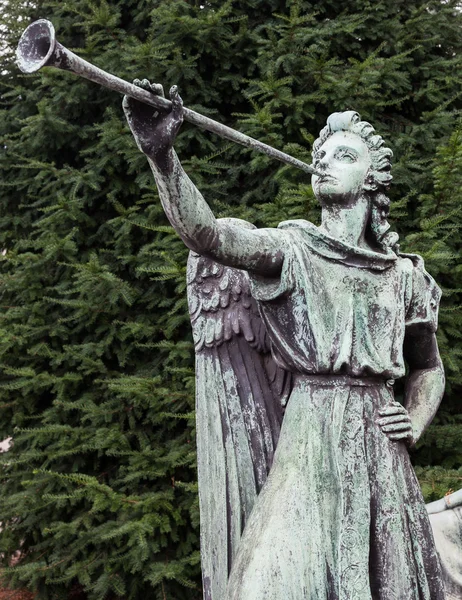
[
  {"x": 240, "y": 393},
  {"x": 221, "y": 305}
]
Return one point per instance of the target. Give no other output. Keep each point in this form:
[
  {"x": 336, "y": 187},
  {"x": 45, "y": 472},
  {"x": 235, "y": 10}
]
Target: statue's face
[{"x": 344, "y": 162}]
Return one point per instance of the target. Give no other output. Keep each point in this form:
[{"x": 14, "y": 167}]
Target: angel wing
[{"x": 240, "y": 393}]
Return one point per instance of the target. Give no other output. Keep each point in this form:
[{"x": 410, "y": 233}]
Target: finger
[
  {"x": 392, "y": 403},
  {"x": 401, "y": 418},
  {"x": 177, "y": 103},
  {"x": 397, "y": 427},
  {"x": 146, "y": 84},
  {"x": 397, "y": 409},
  {"x": 157, "y": 89},
  {"x": 396, "y": 437}
]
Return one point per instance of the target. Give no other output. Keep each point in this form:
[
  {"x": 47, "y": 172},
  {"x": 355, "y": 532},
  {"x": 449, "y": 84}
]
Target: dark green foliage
[{"x": 96, "y": 382}]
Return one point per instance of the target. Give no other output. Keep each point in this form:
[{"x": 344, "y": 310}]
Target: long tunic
[{"x": 341, "y": 516}]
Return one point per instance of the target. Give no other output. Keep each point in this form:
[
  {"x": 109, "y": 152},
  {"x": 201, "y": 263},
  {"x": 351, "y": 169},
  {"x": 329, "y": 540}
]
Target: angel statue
[{"x": 306, "y": 487}]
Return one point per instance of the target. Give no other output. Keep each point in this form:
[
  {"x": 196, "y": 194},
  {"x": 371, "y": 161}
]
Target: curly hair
[{"x": 379, "y": 174}]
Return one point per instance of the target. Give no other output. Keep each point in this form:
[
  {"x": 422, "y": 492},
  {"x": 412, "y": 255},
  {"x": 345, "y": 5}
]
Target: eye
[{"x": 346, "y": 156}]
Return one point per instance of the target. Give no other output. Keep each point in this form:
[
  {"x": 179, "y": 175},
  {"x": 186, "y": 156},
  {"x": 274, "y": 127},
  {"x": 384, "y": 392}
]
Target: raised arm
[{"x": 255, "y": 250}]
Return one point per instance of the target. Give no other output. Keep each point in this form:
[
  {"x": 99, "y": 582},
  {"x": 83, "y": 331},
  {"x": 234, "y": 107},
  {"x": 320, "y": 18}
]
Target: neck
[{"x": 347, "y": 223}]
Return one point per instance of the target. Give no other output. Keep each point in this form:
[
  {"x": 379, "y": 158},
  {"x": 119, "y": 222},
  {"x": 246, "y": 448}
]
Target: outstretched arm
[{"x": 254, "y": 250}]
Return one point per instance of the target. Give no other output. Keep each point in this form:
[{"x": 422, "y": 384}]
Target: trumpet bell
[{"x": 36, "y": 46}]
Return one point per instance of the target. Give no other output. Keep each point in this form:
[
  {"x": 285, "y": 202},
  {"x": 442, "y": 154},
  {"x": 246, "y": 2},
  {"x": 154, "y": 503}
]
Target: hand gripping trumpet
[{"x": 38, "y": 47}]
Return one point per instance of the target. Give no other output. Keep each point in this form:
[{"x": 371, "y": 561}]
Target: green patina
[{"x": 341, "y": 515}]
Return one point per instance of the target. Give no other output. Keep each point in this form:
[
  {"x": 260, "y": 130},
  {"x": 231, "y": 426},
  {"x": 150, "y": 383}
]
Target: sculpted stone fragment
[{"x": 446, "y": 521}]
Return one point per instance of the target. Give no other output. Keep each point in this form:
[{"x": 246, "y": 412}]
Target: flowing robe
[{"x": 341, "y": 516}]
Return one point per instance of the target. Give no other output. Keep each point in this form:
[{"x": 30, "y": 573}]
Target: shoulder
[
  {"x": 236, "y": 222},
  {"x": 270, "y": 234},
  {"x": 412, "y": 260},
  {"x": 291, "y": 226},
  {"x": 405, "y": 264},
  {"x": 415, "y": 266},
  {"x": 302, "y": 224},
  {"x": 425, "y": 295},
  {"x": 300, "y": 231}
]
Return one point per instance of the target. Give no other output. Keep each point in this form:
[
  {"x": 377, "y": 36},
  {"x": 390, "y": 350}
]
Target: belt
[{"x": 328, "y": 380}]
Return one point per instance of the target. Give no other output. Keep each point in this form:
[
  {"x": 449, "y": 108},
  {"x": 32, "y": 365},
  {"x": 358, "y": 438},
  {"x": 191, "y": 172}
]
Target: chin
[{"x": 327, "y": 189}]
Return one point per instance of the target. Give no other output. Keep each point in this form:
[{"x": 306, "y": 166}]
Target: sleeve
[
  {"x": 271, "y": 288},
  {"x": 422, "y": 309}
]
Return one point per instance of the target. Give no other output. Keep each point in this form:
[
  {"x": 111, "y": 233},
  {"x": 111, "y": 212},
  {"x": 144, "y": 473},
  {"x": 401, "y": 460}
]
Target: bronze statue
[
  {"x": 341, "y": 513},
  {"x": 306, "y": 488}
]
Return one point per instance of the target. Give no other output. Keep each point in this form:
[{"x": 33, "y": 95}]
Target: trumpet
[{"x": 38, "y": 47}]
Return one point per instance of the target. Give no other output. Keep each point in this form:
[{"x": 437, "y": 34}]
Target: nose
[{"x": 322, "y": 165}]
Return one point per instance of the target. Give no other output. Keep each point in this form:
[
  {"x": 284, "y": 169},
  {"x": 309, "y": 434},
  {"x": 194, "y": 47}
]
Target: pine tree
[
  {"x": 438, "y": 240},
  {"x": 97, "y": 381}
]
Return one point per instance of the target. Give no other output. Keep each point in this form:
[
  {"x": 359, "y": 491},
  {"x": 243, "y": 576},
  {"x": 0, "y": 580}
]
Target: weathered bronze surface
[
  {"x": 306, "y": 488},
  {"x": 446, "y": 521}
]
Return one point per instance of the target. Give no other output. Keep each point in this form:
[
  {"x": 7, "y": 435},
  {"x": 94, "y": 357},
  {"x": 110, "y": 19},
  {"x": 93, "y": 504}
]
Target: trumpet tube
[{"x": 38, "y": 47}]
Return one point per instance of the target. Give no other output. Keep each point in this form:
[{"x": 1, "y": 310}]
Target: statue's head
[{"x": 354, "y": 161}]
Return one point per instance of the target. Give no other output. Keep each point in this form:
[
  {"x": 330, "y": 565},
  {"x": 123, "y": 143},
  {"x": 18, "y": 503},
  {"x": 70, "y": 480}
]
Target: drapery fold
[{"x": 341, "y": 516}]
